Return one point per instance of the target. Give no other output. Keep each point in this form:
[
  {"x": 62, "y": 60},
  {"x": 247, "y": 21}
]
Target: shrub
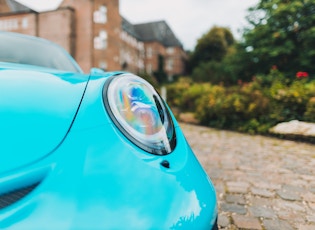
[
  {"x": 289, "y": 101},
  {"x": 151, "y": 79},
  {"x": 207, "y": 72},
  {"x": 248, "y": 107},
  {"x": 309, "y": 114},
  {"x": 233, "y": 108},
  {"x": 176, "y": 90},
  {"x": 210, "y": 107},
  {"x": 191, "y": 96}
]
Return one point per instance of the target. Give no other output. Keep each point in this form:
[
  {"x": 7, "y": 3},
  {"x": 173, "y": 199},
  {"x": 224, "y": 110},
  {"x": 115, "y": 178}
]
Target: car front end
[{"x": 95, "y": 151}]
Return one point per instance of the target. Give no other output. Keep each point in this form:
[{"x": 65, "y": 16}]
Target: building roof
[
  {"x": 152, "y": 31},
  {"x": 35, "y": 5},
  {"x": 17, "y": 7},
  {"x": 129, "y": 28},
  {"x": 157, "y": 31}
]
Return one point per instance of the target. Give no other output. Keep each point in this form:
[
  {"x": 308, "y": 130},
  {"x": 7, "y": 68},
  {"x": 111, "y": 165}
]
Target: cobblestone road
[{"x": 261, "y": 182}]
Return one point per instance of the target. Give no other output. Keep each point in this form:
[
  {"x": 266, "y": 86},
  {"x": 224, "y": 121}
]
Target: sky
[{"x": 189, "y": 19}]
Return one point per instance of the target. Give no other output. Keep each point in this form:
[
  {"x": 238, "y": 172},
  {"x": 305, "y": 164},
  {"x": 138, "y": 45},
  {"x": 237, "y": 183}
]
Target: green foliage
[
  {"x": 207, "y": 72},
  {"x": 248, "y": 107},
  {"x": 233, "y": 108},
  {"x": 289, "y": 100},
  {"x": 176, "y": 90},
  {"x": 211, "y": 49},
  {"x": 213, "y": 45},
  {"x": 215, "y": 72},
  {"x": 149, "y": 78},
  {"x": 309, "y": 114},
  {"x": 185, "y": 94},
  {"x": 281, "y": 34},
  {"x": 278, "y": 44}
]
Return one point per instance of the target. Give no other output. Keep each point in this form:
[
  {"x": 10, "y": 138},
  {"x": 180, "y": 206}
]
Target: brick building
[{"x": 96, "y": 35}]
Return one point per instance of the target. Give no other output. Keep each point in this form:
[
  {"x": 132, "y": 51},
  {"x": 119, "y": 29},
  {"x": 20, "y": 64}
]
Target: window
[
  {"x": 169, "y": 64},
  {"x": 9, "y": 24},
  {"x": 24, "y": 23},
  {"x": 102, "y": 65},
  {"x": 149, "y": 69},
  {"x": 100, "y": 42},
  {"x": 140, "y": 64},
  {"x": 100, "y": 15},
  {"x": 170, "y": 50},
  {"x": 149, "y": 52}
]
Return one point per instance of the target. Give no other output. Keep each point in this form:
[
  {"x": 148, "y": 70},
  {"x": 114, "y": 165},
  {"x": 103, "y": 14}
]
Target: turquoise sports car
[{"x": 91, "y": 151}]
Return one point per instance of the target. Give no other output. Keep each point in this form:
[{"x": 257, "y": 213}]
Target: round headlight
[{"x": 140, "y": 113}]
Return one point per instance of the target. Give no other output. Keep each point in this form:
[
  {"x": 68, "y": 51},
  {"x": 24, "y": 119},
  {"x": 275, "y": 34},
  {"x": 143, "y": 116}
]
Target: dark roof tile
[
  {"x": 129, "y": 28},
  {"x": 152, "y": 31},
  {"x": 17, "y": 7}
]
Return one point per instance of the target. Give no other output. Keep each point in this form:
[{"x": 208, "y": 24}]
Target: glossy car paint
[
  {"x": 35, "y": 105},
  {"x": 90, "y": 175}
]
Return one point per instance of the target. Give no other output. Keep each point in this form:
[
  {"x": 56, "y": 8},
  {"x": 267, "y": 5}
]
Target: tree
[
  {"x": 207, "y": 60},
  {"x": 212, "y": 46},
  {"x": 282, "y": 34}
]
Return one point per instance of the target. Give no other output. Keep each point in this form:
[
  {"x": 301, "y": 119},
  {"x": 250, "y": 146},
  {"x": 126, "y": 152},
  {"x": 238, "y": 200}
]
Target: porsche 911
[{"x": 97, "y": 150}]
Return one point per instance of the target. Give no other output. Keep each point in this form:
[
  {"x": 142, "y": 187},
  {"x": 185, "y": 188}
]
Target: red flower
[{"x": 301, "y": 74}]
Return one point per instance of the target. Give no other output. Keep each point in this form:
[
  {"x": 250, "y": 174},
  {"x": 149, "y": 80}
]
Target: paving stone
[
  {"x": 289, "y": 205},
  {"x": 311, "y": 205},
  {"x": 260, "y": 201},
  {"x": 293, "y": 188},
  {"x": 311, "y": 219},
  {"x": 246, "y": 222},
  {"x": 219, "y": 187},
  {"x": 303, "y": 171},
  {"x": 235, "y": 198},
  {"x": 299, "y": 182},
  {"x": 269, "y": 186},
  {"x": 228, "y": 165},
  {"x": 237, "y": 187},
  {"x": 257, "y": 179},
  {"x": 223, "y": 220},
  {"x": 310, "y": 197},
  {"x": 216, "y": 174},
  {"x": 276, "y": 225},
  {"x": 259, "y": 211},
  {"x": 247, "y": 168},
  {"x": 284, "y": 171},
  {"x": 291, "y": 216},
  {"x": 306, "y": 227},
  {"x": 309, "y": 178},
  {"x": 288, "y": 195},
  {"x": 233, "y": 208},
  {"x": 262, "y": 192},
  {"x": 230, "y": 227}
]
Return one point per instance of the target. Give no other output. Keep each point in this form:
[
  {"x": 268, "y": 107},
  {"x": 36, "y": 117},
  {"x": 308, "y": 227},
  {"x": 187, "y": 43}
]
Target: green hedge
[{"x": 249, "y": 107}]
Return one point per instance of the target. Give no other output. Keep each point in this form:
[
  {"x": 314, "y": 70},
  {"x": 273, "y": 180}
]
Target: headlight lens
[{"x": 140, "y": 114}]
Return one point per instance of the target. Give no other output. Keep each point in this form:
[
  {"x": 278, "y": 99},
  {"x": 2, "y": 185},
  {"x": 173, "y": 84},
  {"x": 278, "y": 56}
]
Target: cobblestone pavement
[{"x": 261, "y": 182}]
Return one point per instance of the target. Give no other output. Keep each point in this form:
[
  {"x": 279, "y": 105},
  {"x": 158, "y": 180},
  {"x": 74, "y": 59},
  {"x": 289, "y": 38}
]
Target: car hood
[{"x": 36, "y": 112}]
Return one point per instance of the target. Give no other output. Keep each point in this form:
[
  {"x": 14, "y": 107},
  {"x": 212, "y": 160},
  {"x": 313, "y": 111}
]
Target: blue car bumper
[{"x": 97, "y": 179}]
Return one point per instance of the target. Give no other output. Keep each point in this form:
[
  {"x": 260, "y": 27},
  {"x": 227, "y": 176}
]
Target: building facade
[{"x": 96, "y": 35}]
